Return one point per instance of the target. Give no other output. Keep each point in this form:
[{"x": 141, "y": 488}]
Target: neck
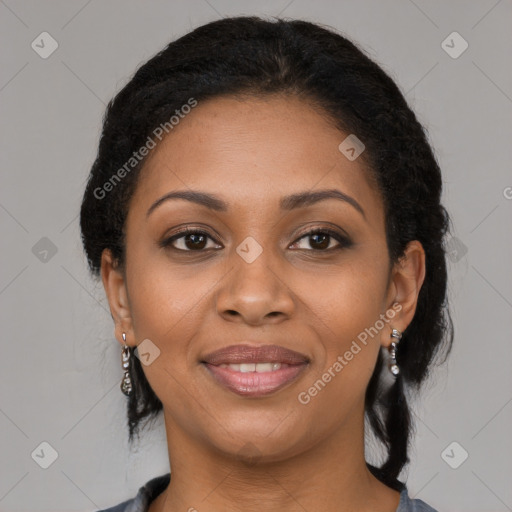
[{"x": 330, "y": 476}]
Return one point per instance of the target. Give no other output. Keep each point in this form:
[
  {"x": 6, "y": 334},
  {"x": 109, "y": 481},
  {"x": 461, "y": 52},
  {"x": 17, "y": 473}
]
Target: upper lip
[{"x": 237, "y": 354}]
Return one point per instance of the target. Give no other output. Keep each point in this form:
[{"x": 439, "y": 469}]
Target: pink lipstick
[{"x": 255, "y": 371}]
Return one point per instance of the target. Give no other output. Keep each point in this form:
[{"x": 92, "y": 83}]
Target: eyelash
[{"x": 343, "y": 241}]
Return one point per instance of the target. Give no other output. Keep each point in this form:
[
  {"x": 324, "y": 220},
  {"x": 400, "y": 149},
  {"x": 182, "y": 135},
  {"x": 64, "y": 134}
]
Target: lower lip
[{"x": 255, "y": 384}]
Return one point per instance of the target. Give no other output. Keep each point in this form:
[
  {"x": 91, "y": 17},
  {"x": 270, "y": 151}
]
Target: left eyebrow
[
  {"x": 307, "y": 198},
  {"x": 291, "y": 202}
]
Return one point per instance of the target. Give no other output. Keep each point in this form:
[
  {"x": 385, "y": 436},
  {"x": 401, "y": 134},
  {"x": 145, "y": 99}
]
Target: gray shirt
[{"x": 148, "y": 492}]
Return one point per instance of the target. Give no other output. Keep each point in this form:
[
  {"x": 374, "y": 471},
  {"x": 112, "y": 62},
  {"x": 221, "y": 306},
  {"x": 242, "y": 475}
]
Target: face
[{"x": 261, "y": 264}]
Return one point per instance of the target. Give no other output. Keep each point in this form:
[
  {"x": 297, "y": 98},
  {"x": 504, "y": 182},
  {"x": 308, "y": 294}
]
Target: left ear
[{"x": 407, "y": 278}]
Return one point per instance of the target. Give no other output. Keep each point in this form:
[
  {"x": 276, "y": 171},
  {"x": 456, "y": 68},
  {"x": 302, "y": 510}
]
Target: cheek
[
  {"x": 163, "y": 298},
  {"x": 346, "y": 305},
  {"x": 346, "y": 301}
]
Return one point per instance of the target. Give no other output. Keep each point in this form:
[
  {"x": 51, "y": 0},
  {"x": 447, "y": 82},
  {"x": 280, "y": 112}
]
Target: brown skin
[{"x": 251, "y": 153}]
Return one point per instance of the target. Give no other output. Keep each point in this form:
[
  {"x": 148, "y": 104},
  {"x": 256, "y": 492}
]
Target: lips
[
  {"x": 239, "y": 354},
  {"x": 255, "y": 371}
]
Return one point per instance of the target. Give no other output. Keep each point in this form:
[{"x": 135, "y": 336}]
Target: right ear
[{"x": 114, "y": 282}]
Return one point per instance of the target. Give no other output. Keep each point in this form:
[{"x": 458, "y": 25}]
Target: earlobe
[
  {"x": 114, "y": 283},
  {"x": 407, "y": 280}
]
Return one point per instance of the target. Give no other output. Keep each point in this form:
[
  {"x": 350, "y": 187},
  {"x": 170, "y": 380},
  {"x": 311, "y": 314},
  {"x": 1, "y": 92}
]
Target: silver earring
[
  {"x": 126, "y": 383},
  {"x": 395, "y": 333}
]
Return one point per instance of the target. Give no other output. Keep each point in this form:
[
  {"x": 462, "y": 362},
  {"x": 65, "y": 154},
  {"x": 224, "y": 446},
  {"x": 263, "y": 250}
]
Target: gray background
[{"x": 60, "y": 364}]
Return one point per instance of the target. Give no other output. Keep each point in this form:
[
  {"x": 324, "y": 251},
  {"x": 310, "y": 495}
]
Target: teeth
[
  {"x": 254, "y": 367},
  {"x": 265, "y": 367}
]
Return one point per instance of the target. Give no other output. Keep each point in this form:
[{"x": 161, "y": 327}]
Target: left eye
[{"x": 320, "y": 240}]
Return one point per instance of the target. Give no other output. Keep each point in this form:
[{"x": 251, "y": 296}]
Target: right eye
[{"x": 188, "y": 240}]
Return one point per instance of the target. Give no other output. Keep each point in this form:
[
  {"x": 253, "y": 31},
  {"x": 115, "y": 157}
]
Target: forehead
[{"x": 252, "y": 151}]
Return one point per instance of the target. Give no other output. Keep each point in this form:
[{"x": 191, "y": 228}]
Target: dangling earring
[
  {"x": 395, "y": 333},
  {"x": 126, "y": 383}
]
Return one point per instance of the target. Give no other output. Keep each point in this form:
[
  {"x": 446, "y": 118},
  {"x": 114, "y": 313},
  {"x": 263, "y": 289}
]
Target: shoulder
[
  {"x": 411, "y": 505},
  {"x": 146, "y": 494},
  {"x": 122, "y": 507}
]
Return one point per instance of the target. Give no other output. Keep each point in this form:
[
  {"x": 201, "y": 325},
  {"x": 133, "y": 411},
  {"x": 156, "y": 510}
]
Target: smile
[{"x": 254, "y": 370}]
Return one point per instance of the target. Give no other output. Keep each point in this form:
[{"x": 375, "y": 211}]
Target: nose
[{"x": 255, "y": 293}]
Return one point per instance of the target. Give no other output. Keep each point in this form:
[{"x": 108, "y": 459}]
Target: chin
[{"x": 257, "y": 441}]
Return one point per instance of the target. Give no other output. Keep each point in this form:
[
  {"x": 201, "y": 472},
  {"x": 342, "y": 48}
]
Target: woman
[{"x": 264, "y": 213}]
